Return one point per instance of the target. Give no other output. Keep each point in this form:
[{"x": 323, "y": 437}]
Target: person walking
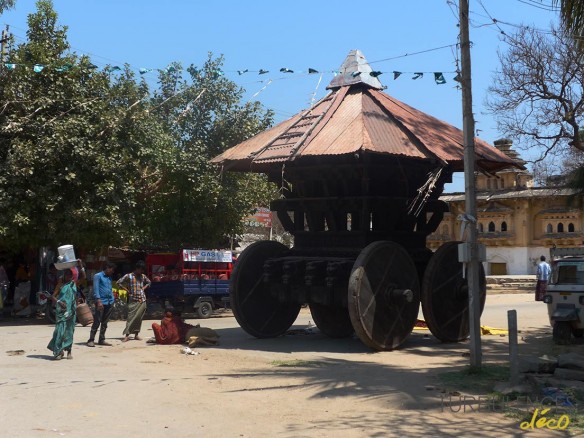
[
  {"x": 135, "y": 283},
  {"x": 544, "y": 272},
  {"x": 104, "y": 300},
  {"x": 65, "y": 318}
]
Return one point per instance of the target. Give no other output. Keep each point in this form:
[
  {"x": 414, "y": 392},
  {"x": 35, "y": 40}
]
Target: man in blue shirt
[
  {"x": 544, "y": 272},
  {"x": 104, "y": 300}
]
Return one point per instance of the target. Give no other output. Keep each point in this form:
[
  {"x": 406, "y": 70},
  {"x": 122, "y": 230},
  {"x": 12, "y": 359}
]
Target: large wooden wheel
[
  {"x": 384, "y": 295},
  {"x": 333, "y": 321},
  {"x": 256, "y": 310},
  {"x": 445, "y": 295}
]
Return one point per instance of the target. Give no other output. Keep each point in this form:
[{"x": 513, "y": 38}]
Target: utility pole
[{"x": 474, "y": 306}]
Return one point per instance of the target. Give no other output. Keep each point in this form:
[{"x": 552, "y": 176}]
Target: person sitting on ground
[{"x": 171, "y": 330}]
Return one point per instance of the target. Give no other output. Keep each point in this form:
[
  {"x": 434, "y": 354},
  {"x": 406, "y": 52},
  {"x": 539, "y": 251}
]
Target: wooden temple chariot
[{"x": 361, "y": 174}]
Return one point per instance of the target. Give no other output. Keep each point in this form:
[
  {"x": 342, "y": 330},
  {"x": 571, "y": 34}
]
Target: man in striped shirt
[{"x": 135, "y": 283}]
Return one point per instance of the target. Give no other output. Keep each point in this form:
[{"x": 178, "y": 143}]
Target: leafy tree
[
  {"x": 537, "y": 95},
  {"x": 73, "y": 143},
  {"x": 96, "y": 158},
  {"x": 204, "y": 114}
]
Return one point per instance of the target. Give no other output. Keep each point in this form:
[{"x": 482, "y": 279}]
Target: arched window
[
  {"x": 570, "y": 228},
  {"x": 481, "y": 227},
  {"x": 503, "y": 226},
  {"x": 560, "y": 227},
  {"x": 549, "y": 229},
  {"x": 491, "y": 227}
]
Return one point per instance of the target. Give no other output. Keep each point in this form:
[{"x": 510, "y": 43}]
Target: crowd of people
[{"x": 65, "y": 298}]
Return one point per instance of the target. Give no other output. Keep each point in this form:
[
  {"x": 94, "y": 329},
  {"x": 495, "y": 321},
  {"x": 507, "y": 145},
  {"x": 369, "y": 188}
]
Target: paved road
[{"x": 530, "y": 313}]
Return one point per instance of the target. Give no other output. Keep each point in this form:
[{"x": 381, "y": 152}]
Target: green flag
[{"x": 439, "y": 78}]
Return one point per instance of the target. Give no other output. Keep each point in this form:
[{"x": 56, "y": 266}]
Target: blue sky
[{"x": 259, "y": 34}]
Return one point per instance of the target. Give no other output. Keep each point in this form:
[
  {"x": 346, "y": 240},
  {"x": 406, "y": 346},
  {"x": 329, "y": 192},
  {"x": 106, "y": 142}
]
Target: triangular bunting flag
[
  {"x": 263, "y": 72},
  {"x": 376, "y": 73},
  {"x": 286, "y": 70},
  {"x": 417, "y": 75},
  {"x": 439, "y": 78},
  {"x": 144, "y": 70},
  {"x": 396, "y": 74},
  {"x": 311, "y": 70},
  {"x": 240, "y": 72},
  {"x": 10, "y": 66},
  {"x": 92, "y": 66},
  {"x": 63, "y": 68},
  {"x": 38, "y": 68},
  {"x": 457, "y": 78},
  {"x": 356, "y": 73}
]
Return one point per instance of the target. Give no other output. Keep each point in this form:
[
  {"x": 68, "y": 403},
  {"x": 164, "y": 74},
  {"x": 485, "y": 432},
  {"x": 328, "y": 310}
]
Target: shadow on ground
[{"x": 425, "y": 423}]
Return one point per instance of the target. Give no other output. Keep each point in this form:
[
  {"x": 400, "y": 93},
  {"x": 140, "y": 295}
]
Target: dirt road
[{"x": 302, "y": 385}]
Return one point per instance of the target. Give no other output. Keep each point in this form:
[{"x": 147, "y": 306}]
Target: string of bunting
[{"x": 38, "y": 68}]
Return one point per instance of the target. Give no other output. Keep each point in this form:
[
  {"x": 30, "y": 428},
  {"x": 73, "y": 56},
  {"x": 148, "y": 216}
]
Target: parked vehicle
[
  {"x": 192, "y": 278},
  {"x": 565, "y": 294}
]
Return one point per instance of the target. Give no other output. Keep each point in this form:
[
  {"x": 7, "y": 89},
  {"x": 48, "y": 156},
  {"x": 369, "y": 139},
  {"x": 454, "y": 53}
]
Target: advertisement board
[
  {"x": 262, "y": 218},
  {"x": 203, "y": 255}
]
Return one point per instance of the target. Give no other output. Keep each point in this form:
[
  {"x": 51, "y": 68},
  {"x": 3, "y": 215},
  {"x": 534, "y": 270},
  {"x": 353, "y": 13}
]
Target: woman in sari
[
  {"x": 65, "y": 318},
  {"x": 171, "y": 330}
]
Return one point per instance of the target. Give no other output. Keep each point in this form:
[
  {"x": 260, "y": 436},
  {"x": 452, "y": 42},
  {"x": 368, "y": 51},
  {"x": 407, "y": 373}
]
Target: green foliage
[
  {"x": 6, "y": 4},
  {"x": 572, "y": 15},
  {"x": 95, "y": 158},
  {"x": 204, "y": 115}
]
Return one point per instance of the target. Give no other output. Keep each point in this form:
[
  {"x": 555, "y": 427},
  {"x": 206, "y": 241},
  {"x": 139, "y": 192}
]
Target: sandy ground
[{"x": 246, "y": 386}]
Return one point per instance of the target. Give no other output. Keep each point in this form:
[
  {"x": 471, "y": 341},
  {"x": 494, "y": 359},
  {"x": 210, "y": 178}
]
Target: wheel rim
[
  {"x": 205, "y": 309},
  {"x": 445, "y": 295},
  {"x": 332, "y": 321},
  {"x": 255, "y": 309},
  {"x": 384, "y": 295}
]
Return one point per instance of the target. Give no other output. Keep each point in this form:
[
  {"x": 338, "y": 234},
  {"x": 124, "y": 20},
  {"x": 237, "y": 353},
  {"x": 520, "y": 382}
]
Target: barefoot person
[
  {"x": 135, "y": 283},
  {"x": 65, "y": 317}
]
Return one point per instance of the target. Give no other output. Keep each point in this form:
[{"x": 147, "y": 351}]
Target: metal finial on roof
[{"x": 355, "y": 70}]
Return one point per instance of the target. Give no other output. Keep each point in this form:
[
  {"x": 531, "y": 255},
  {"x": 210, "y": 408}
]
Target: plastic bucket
[{"x": 66, "y": 253}]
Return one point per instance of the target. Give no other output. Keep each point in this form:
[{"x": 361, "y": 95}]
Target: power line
[
  {"x": 540, "y": 5},
  {"x": 414, "y": 53}
]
